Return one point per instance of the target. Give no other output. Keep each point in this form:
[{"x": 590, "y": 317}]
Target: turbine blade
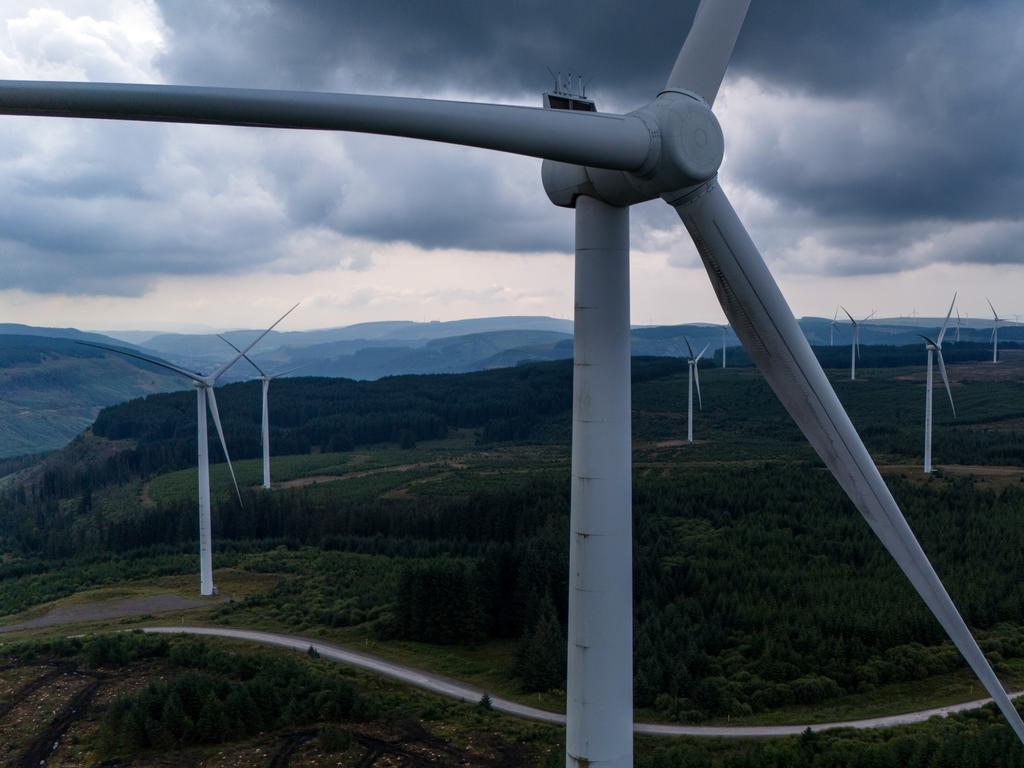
[
  {"x": 766, "y": 326},
  {"x": 836, "y": 315},
  {"x": 945, "y": 323},
  {"x": 994, "y": 313},
  {"x": 945, "y": 380},
  {"x": 702, "y": 352},
  {"x": 848, "y": 314},
  {"x": 706, "y": 52},
  {"x": 293, "y": 369},
  {"x": 211, "y": 400},
  {"x": 688, "y": 347},
  {"x": 152, "y": 361},
  {"x": 869, "y": 316},
  {"x": 696, "y": 380},
  {"x": 618, "y": 142},
  {"x": 245, "y": 356},
  {"x": 220, "y": 371}
]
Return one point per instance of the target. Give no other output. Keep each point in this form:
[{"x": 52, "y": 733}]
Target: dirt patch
[
  {"x": 49, "y": 740},
  {"x": 117, "y": 609},
  {"x": 1010, "y": 366},
  {"x": 411, "y": 744},
  {"x": 292, "y": 743},
  {"x": 147, "y": 501},
  {"x": 669, "y": 444},
  {"x": 1004, "y": 425},
  {"x": 23, "y": 725},
  {"x": 303, "y": 482},
  {"x": 974, "y": 470}
]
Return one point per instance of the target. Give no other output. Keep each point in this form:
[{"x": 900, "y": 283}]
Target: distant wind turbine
[
  {"x": 935, "y": 348},
  {"x": 205, "y": 398},
  {"x": 694, "y": 376},
  {"x": 957, "y": 325},
  {"x": 855, "y": 345},
  {"x": 832, "y": 329},
  {"x": 265, "y": 379},
  {"x": 996, "y": 320}
]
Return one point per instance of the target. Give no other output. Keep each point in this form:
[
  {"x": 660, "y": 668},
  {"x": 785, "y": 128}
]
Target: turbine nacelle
[{"x": 686, "y": 149}]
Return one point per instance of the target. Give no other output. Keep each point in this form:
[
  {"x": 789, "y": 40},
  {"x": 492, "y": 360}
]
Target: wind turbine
[
  {"x": 855, "y": 345},
  {"x": 694, "y": 376},
  {"x": 996, "y": 320},
  {"x": 832, "y": 329},
  {"x": 957, "y": 340},
  {"x": 599, "y": 164},
  {"x": 205, "y": 398},
  {"x": 265, "y": 380},
  {"x": 724, "y": 329},
  {"x": 935, "y": 348}
]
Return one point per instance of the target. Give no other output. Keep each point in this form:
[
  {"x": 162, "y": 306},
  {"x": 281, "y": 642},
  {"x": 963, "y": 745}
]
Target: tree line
[{"x": 754, "y": 588}]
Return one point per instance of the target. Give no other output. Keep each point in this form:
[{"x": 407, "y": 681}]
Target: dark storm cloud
[
  {"x": 626, "y": 48},
  {"x": 881, "y": 136},
  {"x": 924, "y": 90}
]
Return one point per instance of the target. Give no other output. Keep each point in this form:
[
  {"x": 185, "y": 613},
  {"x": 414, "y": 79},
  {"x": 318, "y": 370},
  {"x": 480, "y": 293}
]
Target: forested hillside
[
  {"x": 532, "y": 402},
  {"x": 52, "y": 388},
  {"x": 435, "y": 509}
]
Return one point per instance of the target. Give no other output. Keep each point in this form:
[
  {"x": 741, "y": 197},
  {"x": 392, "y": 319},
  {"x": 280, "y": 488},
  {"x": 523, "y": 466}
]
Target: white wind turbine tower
[
  {"x": 205, "y": 398},
  {"x": 855, "y": 344},
  {"x": 935, "y": 348},
  {"x": 694, "y": 376},
  {"x": 996, "y": 320},
  {"x": 599, "y": 165},
  {"x": 265, "y": 379},
  {"x": 724, "y": 329}
]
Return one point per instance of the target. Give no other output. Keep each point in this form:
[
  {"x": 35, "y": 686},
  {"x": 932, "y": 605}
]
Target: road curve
[{"x": 462, "y": 692}]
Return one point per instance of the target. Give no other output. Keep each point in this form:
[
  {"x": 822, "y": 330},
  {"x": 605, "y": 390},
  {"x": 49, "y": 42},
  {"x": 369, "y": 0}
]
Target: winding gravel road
[{"x": 460, "y": 691}]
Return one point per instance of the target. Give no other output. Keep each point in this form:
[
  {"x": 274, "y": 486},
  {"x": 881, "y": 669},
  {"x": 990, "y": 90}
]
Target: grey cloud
[
  {"x": 846, "y": 45},
  {"x": 940, "y": 75},
  {"x": 936, "y": 140},
  {"x": 885, "y": 125},
  {"x": 447, "y": 197}
]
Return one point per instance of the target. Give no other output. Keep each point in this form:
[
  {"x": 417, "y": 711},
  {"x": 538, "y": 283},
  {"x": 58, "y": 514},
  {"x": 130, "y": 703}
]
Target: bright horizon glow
[{"x": 505, "y": 285}]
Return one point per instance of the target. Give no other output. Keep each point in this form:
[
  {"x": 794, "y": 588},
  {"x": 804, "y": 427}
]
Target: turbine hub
[
  {"x": 687, "y": 147},
  {"x": 691, "y": 142}
]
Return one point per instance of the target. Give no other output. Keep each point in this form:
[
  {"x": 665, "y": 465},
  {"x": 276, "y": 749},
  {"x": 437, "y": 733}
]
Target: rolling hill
[{"x": 52, "y": 388}]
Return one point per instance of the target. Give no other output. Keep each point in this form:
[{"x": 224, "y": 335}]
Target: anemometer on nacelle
[{"x": 569, "y": 93}]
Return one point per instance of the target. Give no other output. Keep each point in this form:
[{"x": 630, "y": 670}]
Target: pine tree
[
  {"x": 174, "y": 719},
  {"x": 540, "y": 662},
  {"x": 212, "y": 724}
]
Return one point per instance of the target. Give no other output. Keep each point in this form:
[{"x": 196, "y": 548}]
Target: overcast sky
[{"x": 872, "y": 148}]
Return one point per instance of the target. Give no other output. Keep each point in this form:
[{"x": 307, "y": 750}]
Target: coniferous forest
[{"x": 434, "y": 510}]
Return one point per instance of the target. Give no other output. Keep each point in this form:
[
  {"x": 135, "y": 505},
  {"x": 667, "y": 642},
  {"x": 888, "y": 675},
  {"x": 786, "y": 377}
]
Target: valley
[{"x": 761, "y": 597}]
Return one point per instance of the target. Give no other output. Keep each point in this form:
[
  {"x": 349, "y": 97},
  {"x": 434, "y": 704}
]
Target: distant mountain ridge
[
  {"x": 51, "y": 387},
  {"x": 18, "y": 329}
]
